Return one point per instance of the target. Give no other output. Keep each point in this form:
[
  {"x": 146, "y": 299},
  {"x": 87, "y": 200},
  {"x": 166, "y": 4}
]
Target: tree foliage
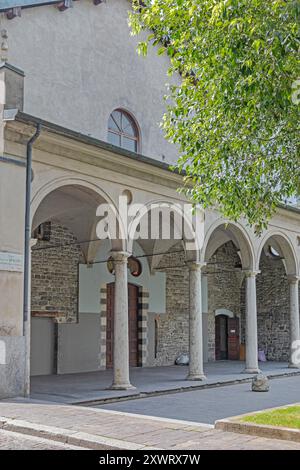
[{"x": 235, "y": 114}]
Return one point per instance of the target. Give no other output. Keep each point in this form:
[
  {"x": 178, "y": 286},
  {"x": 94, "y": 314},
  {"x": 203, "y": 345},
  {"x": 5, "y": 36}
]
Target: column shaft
[
  {"x": 121, "y": 335},
  {"x": 195, "y": 324},
  {"x": 294, "y": 322},
  {"x": 251, "y": 325}
]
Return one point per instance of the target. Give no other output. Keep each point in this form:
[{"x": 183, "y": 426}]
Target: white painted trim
[{"x": 224, "y": 311}]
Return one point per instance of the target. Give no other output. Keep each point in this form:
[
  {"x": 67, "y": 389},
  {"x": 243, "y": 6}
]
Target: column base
[
  {"x": 195, "y": 377},
  {"x": 251, "y": 371},
  {"x": 294, "y": 366},
  {"x": 126, "y": 386}
]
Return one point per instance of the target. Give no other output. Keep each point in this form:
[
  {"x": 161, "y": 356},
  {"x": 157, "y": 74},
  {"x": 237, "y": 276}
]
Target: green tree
[{"x": 235, "y": 114}]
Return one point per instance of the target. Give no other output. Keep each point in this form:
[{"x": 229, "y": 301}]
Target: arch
[
  {"x": 225, "y": 312},
  {"x": 178, "y": 217},
  {"x": 224, "y": 231},
  {"x": 285, "y": 245},
  {"x": 123, "y": 130},
  {"x": 75, "y": 190}
]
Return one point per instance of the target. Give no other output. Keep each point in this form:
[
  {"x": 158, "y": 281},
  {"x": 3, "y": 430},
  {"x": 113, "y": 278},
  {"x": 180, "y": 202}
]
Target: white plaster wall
[
  {"x": 12, "y": 205},
  {"x": 91, "y": 278},
  {"x": 81, "y": 64},
  {"x": 42, "y": 346},
  {"x": 79, "y": 345},
  {"x": 12, "y": 366}
]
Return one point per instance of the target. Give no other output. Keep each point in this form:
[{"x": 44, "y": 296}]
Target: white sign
[{"x": 11, "y": 262}]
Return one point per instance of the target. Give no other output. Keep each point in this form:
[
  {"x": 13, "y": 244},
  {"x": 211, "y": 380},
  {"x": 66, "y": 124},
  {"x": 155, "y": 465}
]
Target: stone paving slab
[
  {"x": 93, "y": 387},
  {"x": 102, "y": 429},
  {"x": 15, "y": 441}
]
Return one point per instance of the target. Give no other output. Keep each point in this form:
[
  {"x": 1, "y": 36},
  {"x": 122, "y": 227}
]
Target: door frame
[
  {"x": 229, "y": 316},
  {"x": 218, "y": 320},
  {"x": 143, "y": 307}
]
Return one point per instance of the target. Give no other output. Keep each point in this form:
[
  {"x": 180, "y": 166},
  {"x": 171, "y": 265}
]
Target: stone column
[
  {"x": 251, "y": 324},
  {"x": 121, "y": 334},
  {"x": 294, "y": 322},
  {"x": 195, "y": 328}
]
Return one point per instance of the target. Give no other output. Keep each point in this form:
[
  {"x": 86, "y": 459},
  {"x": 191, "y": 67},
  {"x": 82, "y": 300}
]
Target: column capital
[
  {"x": 293, "y": 278},
  {"x": 250, "y": 272},
  {"x": 195, "y": 265},
  {"x": 120, "y": 256}
]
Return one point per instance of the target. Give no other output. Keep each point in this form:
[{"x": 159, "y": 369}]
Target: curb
[
  {"x": 259, "y": 430},
  {"x": 262, "y": 430},
  {"x": 188, "y": 388},
  {"x": 66, "y": 436}
]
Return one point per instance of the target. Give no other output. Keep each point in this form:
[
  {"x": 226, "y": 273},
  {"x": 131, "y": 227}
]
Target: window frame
[{"x": 121, "y": 134}]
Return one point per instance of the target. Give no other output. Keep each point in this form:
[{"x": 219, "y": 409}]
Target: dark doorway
[
  {"x": 226, "y": 338},
  {"x": 133, "y": 293}
]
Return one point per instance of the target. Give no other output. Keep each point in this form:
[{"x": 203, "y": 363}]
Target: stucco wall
[
  {"x": 12, "y": 205},
  {"x": 81, "y": 64},
  {"x": 12, "y": 366}
]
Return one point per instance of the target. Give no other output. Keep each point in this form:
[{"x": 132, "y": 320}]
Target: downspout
[
  {"x": 28, "y": 224},
  {"x": 27, "y": 237}
]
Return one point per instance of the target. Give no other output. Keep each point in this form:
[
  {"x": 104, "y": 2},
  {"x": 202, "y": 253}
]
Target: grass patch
[{"x": 285, "y": 417}]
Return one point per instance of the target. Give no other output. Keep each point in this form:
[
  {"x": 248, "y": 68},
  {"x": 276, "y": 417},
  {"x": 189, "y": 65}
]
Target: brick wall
[{"x": 54, "y": 278}]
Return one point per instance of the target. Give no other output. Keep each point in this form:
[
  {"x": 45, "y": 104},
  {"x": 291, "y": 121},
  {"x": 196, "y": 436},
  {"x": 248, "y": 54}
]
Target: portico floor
[{"x": 92, "y": 387}]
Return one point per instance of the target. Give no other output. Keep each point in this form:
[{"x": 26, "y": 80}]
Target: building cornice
[{"x": 69, "y": 144}]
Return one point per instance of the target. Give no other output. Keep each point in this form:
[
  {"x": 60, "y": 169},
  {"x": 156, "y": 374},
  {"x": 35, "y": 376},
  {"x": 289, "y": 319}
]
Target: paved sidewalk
[
  {"x": 94, "y": 386},
  {"x": 15, "y": 441},
  {"x": 103, "y": 429}
]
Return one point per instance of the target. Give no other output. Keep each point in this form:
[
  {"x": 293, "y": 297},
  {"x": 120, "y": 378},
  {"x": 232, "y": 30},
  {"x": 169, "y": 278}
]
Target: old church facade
[{"x": 71, "y": 77}]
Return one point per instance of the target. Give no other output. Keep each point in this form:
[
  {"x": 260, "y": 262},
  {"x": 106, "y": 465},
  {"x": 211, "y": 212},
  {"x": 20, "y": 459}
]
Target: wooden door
[
  {"x": 233, "y": 339},
  {"x": 132, "y": 324},
  {"x": 217, "y": 338},
  {"x": 221, "y": 335}
]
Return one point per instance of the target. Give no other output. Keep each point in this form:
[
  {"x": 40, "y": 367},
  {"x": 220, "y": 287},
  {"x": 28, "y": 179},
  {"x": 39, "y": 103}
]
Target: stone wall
[
  {"x": 173, "y": 326},
  {"x": 55, "y": 288},
  {"x": 54, "y": 279},
  {"x": 272, "y": 309},
  {"x": 224, "y": 283}
]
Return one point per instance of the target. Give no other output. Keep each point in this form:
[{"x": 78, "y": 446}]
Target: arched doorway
[
  {"x": 228, "y": 253},
  {"x": 227, "y": 338},
  {"x": 278, "y": 270},
  {"x": 133, "y": 296},
  {"x": 65, "y": 338}
]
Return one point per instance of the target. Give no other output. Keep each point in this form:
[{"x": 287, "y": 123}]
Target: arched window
[{"x": 123, "y": 131}]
